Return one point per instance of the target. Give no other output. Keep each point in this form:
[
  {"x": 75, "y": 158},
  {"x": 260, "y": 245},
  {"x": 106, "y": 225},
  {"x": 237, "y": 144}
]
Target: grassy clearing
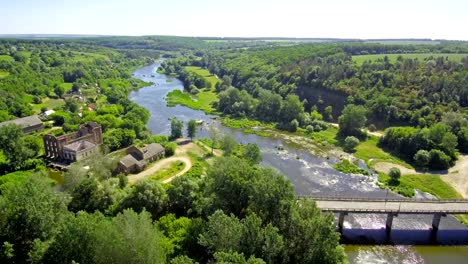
[
  {"x": 329, "y": 135},
  {"x": 249, "y": 126},
  {"x": 360, "y": 59},
  {"x": 7, "y": 58},
  {"x": 429, "y": 183},
  {"x": 49, "y": 103},
  {"x": 4, "y": 74},
  {"x": 371, "y": 153},
  {"x": 210, "y": 78},
  {"x": 66, "y": 86},
  {"x": 202, "y": 101},
  {"x": 173, "y": 169},
  {"x": 346, "y": 166},
  {"x": 87, "y": 57}
]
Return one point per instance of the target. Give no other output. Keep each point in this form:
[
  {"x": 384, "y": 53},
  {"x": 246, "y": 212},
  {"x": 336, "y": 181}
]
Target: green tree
[
  {"x": 395, "y": 175},
  {"x": 170, "y": 149},
  {"x": 146, "y": 195},
  {"x": 27, "y": 211},
  {"x": 252, "y": 153},
  {"x": 214, "y": 135},
  {"x": 352, "y": 119},
  {"x": 328, "y": 113},
  {"x": 233, "y": 257},
  {"x": 176, "y": 128},
  {"x": 14, "y": 146},
  {"x": 350, "y": 143},
  {"x": 192, "y": 129},
  {"x": 301, "y": 227},
  {"x": 90, "y": 196},
  {"x": 228, "y": 144},
  {"x": 422, "y": 158},
  {"x": 223, "y": 233},
  {"x": 182, "y": 194}
]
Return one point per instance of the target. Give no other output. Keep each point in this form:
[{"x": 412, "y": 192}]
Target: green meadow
[{"x": 360, "y": 59}]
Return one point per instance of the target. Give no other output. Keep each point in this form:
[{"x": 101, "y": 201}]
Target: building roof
[
  {"x": 80, "y": 145},
  {"x": 152, "y": 150},
  {"x": 128, "y": 161},
  {"x": 28, "y": 121},
  {"x": 48, "y": 112}
]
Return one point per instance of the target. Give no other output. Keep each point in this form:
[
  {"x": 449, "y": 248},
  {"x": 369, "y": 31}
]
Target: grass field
[
  {"x": 429, "y": 183},
  {"x": 4, "y": 74},
  {"x": 201, "y": 101},
  {"x": 210, "y": 78},
  {"x": 173, "y": 169},
  {"x": 360, "y": 59},
  {"x": 86, "y": 57},
  {"x": 49, "y": 103},
  {"x": 6, "y": 58},
  {"x": 370, "y": 152}
]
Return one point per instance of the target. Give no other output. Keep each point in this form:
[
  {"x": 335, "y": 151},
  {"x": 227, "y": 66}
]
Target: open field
[
  {"x": 360, "y": 59},
  {"x": 6, "y": 58},
  {"x": 202, "y": 101},
  {"x": 4, "y": 74},
  {"x": 370, "y": 152},
  {"x": 210, "y": 78},
  {"x": 49, "y": 103}
]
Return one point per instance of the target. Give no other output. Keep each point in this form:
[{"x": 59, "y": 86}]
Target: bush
[
  {"x": 422, "y": 158},
  {"x": 438, "y": 160},
  {"x": 395, "y": 175},
  {"x": 372, "y": 128},
  {"x": 350, "y": 143},
  {"x": 170, "y": 149},
  {"x": 309, "y": 129}
]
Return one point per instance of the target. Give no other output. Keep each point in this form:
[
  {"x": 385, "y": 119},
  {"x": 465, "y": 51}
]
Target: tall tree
[
  {"x": 192, "y": 129},
  {"x": 176, "y": 128},
  {"x": 352, "y": 119}
]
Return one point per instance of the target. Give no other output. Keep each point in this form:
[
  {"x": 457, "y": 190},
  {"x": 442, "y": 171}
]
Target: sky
[{"x": 364, "y": 19}]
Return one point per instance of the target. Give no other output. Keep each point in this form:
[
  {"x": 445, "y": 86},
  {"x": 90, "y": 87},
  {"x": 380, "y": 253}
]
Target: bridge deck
[{"x": 403, "y": 207}]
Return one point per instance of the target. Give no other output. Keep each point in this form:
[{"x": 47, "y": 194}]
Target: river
[{"x": 312, "y": 175}]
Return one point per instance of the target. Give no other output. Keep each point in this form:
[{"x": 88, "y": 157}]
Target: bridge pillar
[
  {"x": 388, "y": 224},
  {"x": 436, "y": 221},
  {"x": 341, "y": 218}
]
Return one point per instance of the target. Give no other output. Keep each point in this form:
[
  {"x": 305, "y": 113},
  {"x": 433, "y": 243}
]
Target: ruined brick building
[{"x": 74, "y": 146}]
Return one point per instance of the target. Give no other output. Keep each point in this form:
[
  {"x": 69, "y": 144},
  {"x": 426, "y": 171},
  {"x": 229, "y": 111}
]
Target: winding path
[{"x": 158, "y": 166}]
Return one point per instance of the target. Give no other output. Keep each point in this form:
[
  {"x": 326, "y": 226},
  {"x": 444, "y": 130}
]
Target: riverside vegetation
[{"x": 230, "y": 211}]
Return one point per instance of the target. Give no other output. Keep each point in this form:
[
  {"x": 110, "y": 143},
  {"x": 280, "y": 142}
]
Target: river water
[{"x": 312, "y": 175}]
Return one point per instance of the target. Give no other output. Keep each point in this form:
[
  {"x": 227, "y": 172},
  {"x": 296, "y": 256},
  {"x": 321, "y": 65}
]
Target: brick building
[{"x": 75, "y": 146}]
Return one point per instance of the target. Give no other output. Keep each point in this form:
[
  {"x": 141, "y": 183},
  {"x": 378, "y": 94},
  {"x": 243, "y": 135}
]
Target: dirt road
[{"x": 160, "y": 165}]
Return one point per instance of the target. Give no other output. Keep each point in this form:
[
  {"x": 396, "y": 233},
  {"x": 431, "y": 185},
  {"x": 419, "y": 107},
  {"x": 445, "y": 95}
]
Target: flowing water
[{"x": 312, "y": 175}]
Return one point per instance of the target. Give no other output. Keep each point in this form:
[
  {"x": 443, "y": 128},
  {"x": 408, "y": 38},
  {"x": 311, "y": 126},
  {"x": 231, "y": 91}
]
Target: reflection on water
[{"x": 407, "y": 254}]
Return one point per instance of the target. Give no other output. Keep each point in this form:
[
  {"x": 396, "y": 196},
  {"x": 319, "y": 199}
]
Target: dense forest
[{"x": 300, "y": 86}]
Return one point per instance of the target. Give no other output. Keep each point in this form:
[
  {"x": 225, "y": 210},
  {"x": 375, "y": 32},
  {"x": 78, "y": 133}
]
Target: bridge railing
[
  {"x": 371, "y": 199},
  {"x": 395, "y": 211}
]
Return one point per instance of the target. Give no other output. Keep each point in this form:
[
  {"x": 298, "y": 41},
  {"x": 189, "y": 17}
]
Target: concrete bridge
[{"x": 391, "y": 207}]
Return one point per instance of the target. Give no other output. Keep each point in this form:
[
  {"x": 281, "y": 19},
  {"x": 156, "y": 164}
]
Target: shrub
[
  {"x": 170, "y": 149},
  {"x": 372, "y": 128},
  {"x": 438, "y": 160},
  {"x": 350, "y": 143},
  {"x": 309, "y": 129},
  {"x": 395, "y": 175},
  {"x": 422, "y": 158}
]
